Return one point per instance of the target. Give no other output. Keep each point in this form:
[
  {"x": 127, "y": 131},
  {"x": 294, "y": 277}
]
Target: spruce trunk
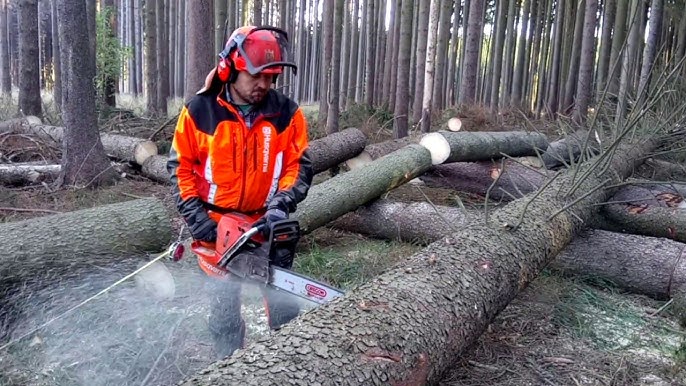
[
  {"x": 410, "y": 324},
  {"x": 18, "y": 125},
  {"x": 22, "y": 174},
  {"x": 479, "y": 146},
  {"x": 650, "y": 210},
  {"x": 645, "y": 265}
]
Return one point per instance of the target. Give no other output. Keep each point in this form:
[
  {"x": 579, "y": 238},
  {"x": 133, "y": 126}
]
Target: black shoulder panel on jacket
[
  {"x": 207, "y": 113},
  {"x": 279, "y": 110}
]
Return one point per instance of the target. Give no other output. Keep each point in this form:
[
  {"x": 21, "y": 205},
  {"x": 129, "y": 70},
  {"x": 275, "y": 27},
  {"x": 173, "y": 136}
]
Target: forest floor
[{"x": 558, "y": 331}]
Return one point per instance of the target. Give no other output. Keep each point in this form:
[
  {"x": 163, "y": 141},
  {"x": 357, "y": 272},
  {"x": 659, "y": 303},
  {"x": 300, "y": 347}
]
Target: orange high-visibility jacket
[{"x": 217, "y": 163}]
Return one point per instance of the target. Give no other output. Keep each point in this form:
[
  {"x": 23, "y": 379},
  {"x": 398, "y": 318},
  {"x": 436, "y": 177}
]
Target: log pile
[{"x": 408, "y": 325}]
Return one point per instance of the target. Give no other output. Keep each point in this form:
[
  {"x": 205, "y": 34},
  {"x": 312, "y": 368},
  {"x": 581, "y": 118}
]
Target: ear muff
[{"x": 224, "y": 70}]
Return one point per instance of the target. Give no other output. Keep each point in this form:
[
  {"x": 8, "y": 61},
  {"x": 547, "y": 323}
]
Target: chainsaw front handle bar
[{"x": 233, "y": 251}]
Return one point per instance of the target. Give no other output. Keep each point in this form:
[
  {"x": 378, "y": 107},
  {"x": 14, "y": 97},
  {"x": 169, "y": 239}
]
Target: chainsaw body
[{"x": 243, "y": 251}]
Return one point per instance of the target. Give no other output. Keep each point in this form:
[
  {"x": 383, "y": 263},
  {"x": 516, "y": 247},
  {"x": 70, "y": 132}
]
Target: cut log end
[
  {"x": 33, "y": 120},
  {"x": 438, "y": 146},
  {"x": 357, "y": 162},
  {"x": 454, "y": 124},
  {"x": 144, "y": 150}
]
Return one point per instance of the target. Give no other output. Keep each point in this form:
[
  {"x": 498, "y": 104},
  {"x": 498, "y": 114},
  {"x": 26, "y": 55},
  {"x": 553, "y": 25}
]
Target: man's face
[{"x": 250, "y": 89}]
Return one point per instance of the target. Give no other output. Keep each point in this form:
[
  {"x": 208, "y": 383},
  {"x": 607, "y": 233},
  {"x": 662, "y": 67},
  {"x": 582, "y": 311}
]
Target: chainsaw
[{"x": 251, "y": 254}]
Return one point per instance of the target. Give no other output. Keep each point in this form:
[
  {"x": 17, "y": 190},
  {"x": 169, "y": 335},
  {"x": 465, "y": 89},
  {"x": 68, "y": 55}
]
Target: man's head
[{"x": 255, "y": 50}]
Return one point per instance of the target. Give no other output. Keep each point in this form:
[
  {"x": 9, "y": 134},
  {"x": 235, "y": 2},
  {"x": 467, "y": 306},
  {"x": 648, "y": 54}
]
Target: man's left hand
[{"x": 270, "y": 216}]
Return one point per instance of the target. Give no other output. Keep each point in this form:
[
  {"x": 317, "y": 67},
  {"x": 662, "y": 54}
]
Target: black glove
[
  {"x": 202, "y": 227},
  {"x": 269, "y": 217}
]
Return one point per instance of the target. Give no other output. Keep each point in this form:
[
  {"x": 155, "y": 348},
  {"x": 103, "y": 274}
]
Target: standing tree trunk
[
  {"x": 220, "y": 21},
  {"x": 200, "y": 45},
  {"x": 402, "y": 94},
  {"x": 609, "y": 13},
  {"x": 257, "y": 12},
  {"x": 498, "y": 54},
  {"x": 650, "y": 49},
  {"x": 441, "y": 60},
  {"x": 370, "y": 50},
  {"x": 575, "y": 58},
  {"x": 618, "y": 36},
  {"x": 628, "y": 64},
  {"x": 84, "y": 161},
  {"x": 472, "y": 48},
  {"x": 29, "y": 71},
  {"x": 585, "y": 82},
  {"x": 335, "y": 73},
  {"x": 325, "y": 80},
  {"x": 57, "y": 63},
  {"x": 427, "y": 94},
  {"x": 150, "y": 57},
  {"x": 518, "y": 73},
  {"x": 162, "y": 73},
  {"x": 181, "y": 50},
  {"x": 5, "y": 78},
  {"x": 110, "y": 87},
  {"x": 422, "y": 34},
  {"x": 556, "y": 61}
]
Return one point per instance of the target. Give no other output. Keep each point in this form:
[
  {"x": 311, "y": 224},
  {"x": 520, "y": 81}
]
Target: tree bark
[
  {"x": 649, "y": 266},
  {"x": 473, "y": 47},
  {"x": 60, "y": 243},
  {"x": 19, "y": 175},
  {"x": 151, "y": 57},
  {"x": 402, "y": 92},
  {"x": 200, "y": 44},
  {"x": 658, "y": 170},
  {"x": 121, "y": 147},
  {"x": 500, "y": 182},
  {"x": 344, "y": 193},
  {"x": 584, "y": 85},
  {"x": 568, "y": 149},
  {"x": 5, "y": 70},
  {"x": 17, "y": 125},
  {"x": 477, "y": 146},
  {"x": 29, "y": 72},
  {"x": 650, "y": 210},
  {"x": 408, "y": 325}
]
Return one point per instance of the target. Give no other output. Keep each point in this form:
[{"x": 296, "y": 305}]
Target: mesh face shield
[{"x": 261, "y": 50}]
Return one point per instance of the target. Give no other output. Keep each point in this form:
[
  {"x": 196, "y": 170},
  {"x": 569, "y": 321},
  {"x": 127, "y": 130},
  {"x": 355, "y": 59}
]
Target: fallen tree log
[
  {"x": 121, "y": 147},
  {"x": 659, "y": 170},
  {"x": 647, "y": 209},
  {"x": 346, "y": 192},
  {"x": 326, "y": 152},
  {"x": 448, "y": 147},
  {"x": 408, "y": 325},
  {"x": 21, "y": 174},
  {"x": 333, "y": 149},
  {"x": 70, "y": 239},
  {"x": 645, "y": 265},
  {"x": 502, "y": 181},
  {"x": 568, "y": 149},
  {"x": 18, "y": 125}
]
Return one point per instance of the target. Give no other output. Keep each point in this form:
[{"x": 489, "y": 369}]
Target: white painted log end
[
  {"x": 416, "y": 182},
  {"x": 454, "y": 124},
  {"x": 532, "y": 161},
  {"x": 438, "y": 146},
  {"x": 144, "y": 150},
  {"x": 157, "y": 281},
  {"x": 682, "y": 204},
  {"x": 359, "y": 161}
]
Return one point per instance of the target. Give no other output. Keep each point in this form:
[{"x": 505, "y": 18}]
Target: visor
[{"x": 263, "y": 50}]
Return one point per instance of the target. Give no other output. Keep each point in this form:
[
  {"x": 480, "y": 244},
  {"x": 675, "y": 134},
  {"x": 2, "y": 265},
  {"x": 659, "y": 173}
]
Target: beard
[{"x": 253, "y": 96}]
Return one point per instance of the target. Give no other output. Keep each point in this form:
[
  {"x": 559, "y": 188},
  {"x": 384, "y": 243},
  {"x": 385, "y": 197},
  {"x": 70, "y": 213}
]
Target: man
[{"x": 241, "y": 146}]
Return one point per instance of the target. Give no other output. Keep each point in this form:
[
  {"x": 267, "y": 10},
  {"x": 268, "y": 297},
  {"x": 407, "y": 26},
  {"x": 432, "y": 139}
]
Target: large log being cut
[
  {"x": 121, "y": 147},
  {"x": 409, "y": 324},
  {"x": 326, "y": 153},
  {"x": 648, "y": 209},
  {"x": 70, "y": 240},
  {"x": 645, "y": 265}
]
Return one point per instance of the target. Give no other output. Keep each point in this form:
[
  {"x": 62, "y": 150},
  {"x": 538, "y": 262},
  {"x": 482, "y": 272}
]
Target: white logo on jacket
[{"x": 267, "y": 133}]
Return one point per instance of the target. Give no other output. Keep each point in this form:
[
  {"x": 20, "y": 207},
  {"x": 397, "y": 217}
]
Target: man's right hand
[{"x": 203, "y": 228}]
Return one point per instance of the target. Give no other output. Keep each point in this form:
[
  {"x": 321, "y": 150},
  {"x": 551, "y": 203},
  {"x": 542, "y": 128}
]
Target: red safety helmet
[{"x": 255, "y": 50}]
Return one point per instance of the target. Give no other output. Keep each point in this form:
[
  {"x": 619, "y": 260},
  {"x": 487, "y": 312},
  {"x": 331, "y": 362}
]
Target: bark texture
[
  {"x": 648, "y": 210},
  {"x": 155, "y": 168},
  {"x": 568, "y": 149},
  {"x": 659, "y": 170},
  {"x": 346, "y": 192},
  {"x": 645, "y": 265},
  {"x": 408, "y": 325},
  {"x": 501, "y": 181},
  {"x": 18, "y": 125},
  {"x": 331, "y": 150},
  {"x": 17, "y": 175},
  {"x": 121, "y": 147},
  {"x": 68, "y": 240},
  {"x": 477, "y": 146}
]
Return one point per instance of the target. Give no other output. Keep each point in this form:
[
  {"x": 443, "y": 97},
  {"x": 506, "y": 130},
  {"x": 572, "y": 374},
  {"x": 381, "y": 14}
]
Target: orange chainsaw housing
[{"x": 229, "y": 228}]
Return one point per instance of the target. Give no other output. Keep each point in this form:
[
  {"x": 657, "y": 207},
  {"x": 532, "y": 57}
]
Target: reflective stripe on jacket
[{"x": 217, "y": 162}]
